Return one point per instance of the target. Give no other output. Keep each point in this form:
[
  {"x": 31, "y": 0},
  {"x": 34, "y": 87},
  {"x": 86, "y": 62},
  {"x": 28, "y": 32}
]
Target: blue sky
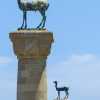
[{"x": 75, "y": 54}]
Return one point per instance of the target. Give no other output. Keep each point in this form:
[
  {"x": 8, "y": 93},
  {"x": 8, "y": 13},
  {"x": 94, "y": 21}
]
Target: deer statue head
[{"x": 55, "y": 82}]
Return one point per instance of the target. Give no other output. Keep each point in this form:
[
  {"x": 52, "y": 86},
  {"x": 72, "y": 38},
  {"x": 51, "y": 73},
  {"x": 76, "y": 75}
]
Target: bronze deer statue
[
  {"x": 59, "y": 89},
  {"x": 34, "y": 5}
]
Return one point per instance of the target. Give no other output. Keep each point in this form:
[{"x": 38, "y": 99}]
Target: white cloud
[
  {"x": 81, "y": 59},
  {"x": 80, "y": 72},
  {"x": 5, "y": 60}
]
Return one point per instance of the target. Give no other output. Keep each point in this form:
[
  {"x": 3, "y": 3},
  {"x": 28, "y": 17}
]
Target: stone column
[{"x": 31, "y": 48}]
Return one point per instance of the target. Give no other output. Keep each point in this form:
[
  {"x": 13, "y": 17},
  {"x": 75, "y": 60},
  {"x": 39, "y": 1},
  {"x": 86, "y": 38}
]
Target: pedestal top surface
[
  {"x": 31, "y": 31},
  {"x": 32, "y": 43}
]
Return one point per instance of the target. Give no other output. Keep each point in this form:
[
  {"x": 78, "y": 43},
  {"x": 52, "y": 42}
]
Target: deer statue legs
[
  {"x": 42, "y": 24},
  {"x": 24, "y": 24},
  {"x": 66, "y": 97},
  {"x": 58, "y": 95},
  {"x": 67, "y": 94}
]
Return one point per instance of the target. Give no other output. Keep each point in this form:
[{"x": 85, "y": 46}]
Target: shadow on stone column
[{"x": 31, "y": 48}]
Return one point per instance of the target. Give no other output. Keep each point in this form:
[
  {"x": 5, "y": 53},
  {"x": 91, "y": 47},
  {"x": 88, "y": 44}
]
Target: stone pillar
[{"x": 31, "y": 48}]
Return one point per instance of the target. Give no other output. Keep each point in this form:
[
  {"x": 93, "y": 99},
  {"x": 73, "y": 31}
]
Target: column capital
[{"x": 34, "y": 44}]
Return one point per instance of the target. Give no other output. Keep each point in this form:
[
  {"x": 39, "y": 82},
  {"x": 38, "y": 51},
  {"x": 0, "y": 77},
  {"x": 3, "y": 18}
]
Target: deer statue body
[
  {"x": 59, "y": 89},
  {"x": 33, "y": 5}
]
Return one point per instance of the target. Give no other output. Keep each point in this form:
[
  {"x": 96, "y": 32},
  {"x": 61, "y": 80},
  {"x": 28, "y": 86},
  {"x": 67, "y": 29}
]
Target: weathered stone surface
[
  {"x": 32, "y": 49},
  {"x": 32, "y": 43}
]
